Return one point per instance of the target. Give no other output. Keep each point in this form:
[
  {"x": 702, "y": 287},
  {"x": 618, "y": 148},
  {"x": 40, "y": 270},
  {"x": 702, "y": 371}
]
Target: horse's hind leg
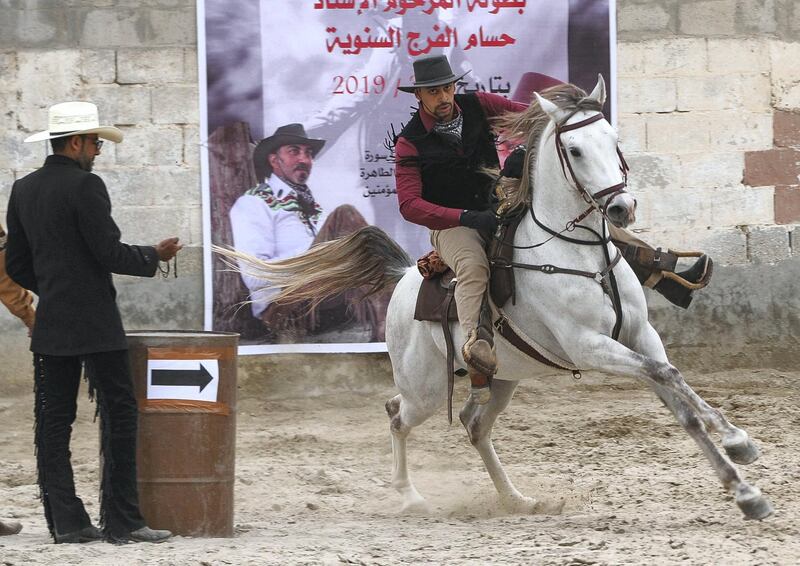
[
  {"x": 736, "y": 442},
  {"x": 412, "y": 500},
  {"x": 479, "y": 420}
]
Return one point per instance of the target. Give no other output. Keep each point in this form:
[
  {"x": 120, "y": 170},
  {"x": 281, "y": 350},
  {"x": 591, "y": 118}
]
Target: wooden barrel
[{"x": 185, "y": 384}]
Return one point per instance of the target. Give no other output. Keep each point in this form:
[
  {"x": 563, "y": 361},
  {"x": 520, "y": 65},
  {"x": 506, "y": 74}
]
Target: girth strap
[{"x": 505, "y": 330}]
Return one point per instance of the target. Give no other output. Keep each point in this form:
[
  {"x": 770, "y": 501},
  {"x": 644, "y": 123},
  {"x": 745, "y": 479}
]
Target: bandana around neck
[
  {"x": 451, "y": 130},
  {"x": 299, "y": 201}
]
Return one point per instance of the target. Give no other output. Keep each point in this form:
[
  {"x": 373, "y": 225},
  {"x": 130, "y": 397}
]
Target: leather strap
[
  {"x": 551, "y": 269},
  {"x": 448, "y": 340},
  {"x": 649, "y": 258},
  {"x": 515, "y": 340}
]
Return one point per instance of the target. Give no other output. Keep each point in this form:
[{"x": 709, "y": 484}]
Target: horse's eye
[{"x": 574, "y": 152}]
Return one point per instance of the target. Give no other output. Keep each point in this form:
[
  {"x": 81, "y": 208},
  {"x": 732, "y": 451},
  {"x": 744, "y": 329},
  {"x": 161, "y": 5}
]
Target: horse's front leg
[
  {"x": 478, "y": 420},
  {"x": 594, "y": 351},
  {"x": 736, "y": 442}
]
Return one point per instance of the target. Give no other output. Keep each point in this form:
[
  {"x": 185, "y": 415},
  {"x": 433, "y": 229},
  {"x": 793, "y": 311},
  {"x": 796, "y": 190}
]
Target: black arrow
[{"x": 183, "y": 377}]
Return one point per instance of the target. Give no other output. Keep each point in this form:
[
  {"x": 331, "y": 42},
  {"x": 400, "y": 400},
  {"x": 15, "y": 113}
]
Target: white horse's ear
[
  {"x": 599, "y": 92},
  {"x": 556, "y": 114}
]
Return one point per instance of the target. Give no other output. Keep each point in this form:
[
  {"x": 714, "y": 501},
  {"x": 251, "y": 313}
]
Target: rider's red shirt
[{"x": 409, "y": 181}]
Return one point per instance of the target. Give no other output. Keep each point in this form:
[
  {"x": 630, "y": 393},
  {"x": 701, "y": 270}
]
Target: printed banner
[{"x": 320, "y": 78}]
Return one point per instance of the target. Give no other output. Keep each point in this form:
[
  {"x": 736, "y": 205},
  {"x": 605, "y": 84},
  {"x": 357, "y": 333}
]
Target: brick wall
[{"x": 709, "y": 109}]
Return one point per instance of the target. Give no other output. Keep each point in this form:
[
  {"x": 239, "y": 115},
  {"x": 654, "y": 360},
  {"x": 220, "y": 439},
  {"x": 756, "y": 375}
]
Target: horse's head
[{"x": 590, "y": 157}]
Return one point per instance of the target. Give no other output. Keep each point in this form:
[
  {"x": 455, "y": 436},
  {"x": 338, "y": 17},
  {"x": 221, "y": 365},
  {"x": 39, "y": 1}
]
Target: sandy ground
[{"x": 313, "y": 483}]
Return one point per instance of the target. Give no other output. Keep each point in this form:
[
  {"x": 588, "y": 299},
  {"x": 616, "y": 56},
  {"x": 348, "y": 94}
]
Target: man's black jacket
[{"x": 63, "y": 245}]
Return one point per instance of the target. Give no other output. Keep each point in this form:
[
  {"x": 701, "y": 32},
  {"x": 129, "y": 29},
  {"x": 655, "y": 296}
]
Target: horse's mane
[{"x": 526, "y": 127}]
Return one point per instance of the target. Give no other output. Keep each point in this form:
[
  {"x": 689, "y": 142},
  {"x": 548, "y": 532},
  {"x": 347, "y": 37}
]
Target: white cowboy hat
[{"x": 74, "y": 118}]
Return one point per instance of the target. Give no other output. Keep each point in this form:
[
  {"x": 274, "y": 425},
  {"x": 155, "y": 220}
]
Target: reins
[{"x": 605, "y": 277}]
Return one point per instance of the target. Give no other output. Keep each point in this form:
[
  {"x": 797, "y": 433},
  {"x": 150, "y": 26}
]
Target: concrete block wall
[
  {"x": 709, "y": 109},
  {"x": 709, "y": 105},
  {"x": 137, "y": 60}
]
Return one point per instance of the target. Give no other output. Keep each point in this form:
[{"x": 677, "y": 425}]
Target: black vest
[{"x": 451, "y": 174}]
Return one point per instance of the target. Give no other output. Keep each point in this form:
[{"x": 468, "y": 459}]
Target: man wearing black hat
[
  {"x": 279, "y": 218},
  {"x": 440, "y": 156}
]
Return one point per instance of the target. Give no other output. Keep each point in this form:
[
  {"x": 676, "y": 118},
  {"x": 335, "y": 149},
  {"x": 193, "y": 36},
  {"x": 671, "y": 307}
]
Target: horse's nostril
[{"x": 616, "y": 211}]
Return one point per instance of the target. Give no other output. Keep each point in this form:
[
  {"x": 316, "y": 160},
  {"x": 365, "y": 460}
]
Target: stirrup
[{"x": 486, "y": 365}]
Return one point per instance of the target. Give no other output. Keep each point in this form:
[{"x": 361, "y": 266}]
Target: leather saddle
[{"x": 432, "y": 297}]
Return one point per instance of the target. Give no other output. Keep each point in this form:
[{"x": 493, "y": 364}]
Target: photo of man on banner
[
  {"x": 326, "y": 108},
  {"x": 279, "y": 218}
]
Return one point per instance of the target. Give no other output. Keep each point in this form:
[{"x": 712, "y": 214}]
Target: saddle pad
[{"x": 431, "y": 296}]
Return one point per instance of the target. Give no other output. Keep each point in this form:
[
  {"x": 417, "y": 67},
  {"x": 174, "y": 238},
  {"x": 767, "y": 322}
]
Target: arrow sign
[
  {"x": 183, "y": 377},
  {"x": 196, "y": 380}
]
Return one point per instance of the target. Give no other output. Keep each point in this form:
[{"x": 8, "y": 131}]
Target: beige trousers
[{"x": 463, "y": 250}]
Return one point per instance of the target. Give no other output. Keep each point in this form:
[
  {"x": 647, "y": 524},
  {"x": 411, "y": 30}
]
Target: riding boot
[
  {"x": 655, "y": 268},
  {"x": 479, "y": 353},
  {"x": 677, "y": 292}
]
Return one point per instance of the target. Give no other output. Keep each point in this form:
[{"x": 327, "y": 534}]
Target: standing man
[
  {"x": 64, "y": 245},
  {"x": 20, "y": 303},
  {"x": 440, "y": 157},
  {"x": 279, "y": 218}
]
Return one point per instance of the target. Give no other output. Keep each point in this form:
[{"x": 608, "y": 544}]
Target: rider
[{"x": 441, "y": 155}]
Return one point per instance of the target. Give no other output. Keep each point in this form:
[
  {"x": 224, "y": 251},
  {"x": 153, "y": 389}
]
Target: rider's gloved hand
[
  {"x": 514, "y": 162},
  {"x": 479, "y": 219}
]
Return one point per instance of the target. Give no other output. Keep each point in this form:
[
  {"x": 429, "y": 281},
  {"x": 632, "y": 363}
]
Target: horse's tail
[{"x": 366, "y": 258}]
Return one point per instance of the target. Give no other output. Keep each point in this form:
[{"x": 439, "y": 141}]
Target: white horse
[{"x": 569, "y": 318}]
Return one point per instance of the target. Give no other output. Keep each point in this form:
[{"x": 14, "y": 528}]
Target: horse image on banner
[{"x": 577, "y": 301}]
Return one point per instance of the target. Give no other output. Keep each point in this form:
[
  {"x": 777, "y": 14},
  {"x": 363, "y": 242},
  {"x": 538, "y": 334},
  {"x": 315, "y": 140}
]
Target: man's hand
[
  {"x": 514, "y": 163},
  {"x": 479, "y": 219},
  {"x": 167, "y": 249}
]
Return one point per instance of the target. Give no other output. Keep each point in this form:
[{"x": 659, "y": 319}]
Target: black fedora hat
[
  {"x": 285, "y": 135},
  {"x": 432, "y": 71}
]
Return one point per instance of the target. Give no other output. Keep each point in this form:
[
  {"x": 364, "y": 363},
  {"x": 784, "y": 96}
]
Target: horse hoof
[
  {"x": 754, "y": 505},
  {"x": 416, "y": 507},
  {"x": 520, "y": 505},
  {"x": 742, "y": 450}
]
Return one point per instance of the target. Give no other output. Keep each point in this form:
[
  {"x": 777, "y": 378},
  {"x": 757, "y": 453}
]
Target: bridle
[
  {"x": 592, "y": 199},
  {"x": 606, "y": 276}
]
